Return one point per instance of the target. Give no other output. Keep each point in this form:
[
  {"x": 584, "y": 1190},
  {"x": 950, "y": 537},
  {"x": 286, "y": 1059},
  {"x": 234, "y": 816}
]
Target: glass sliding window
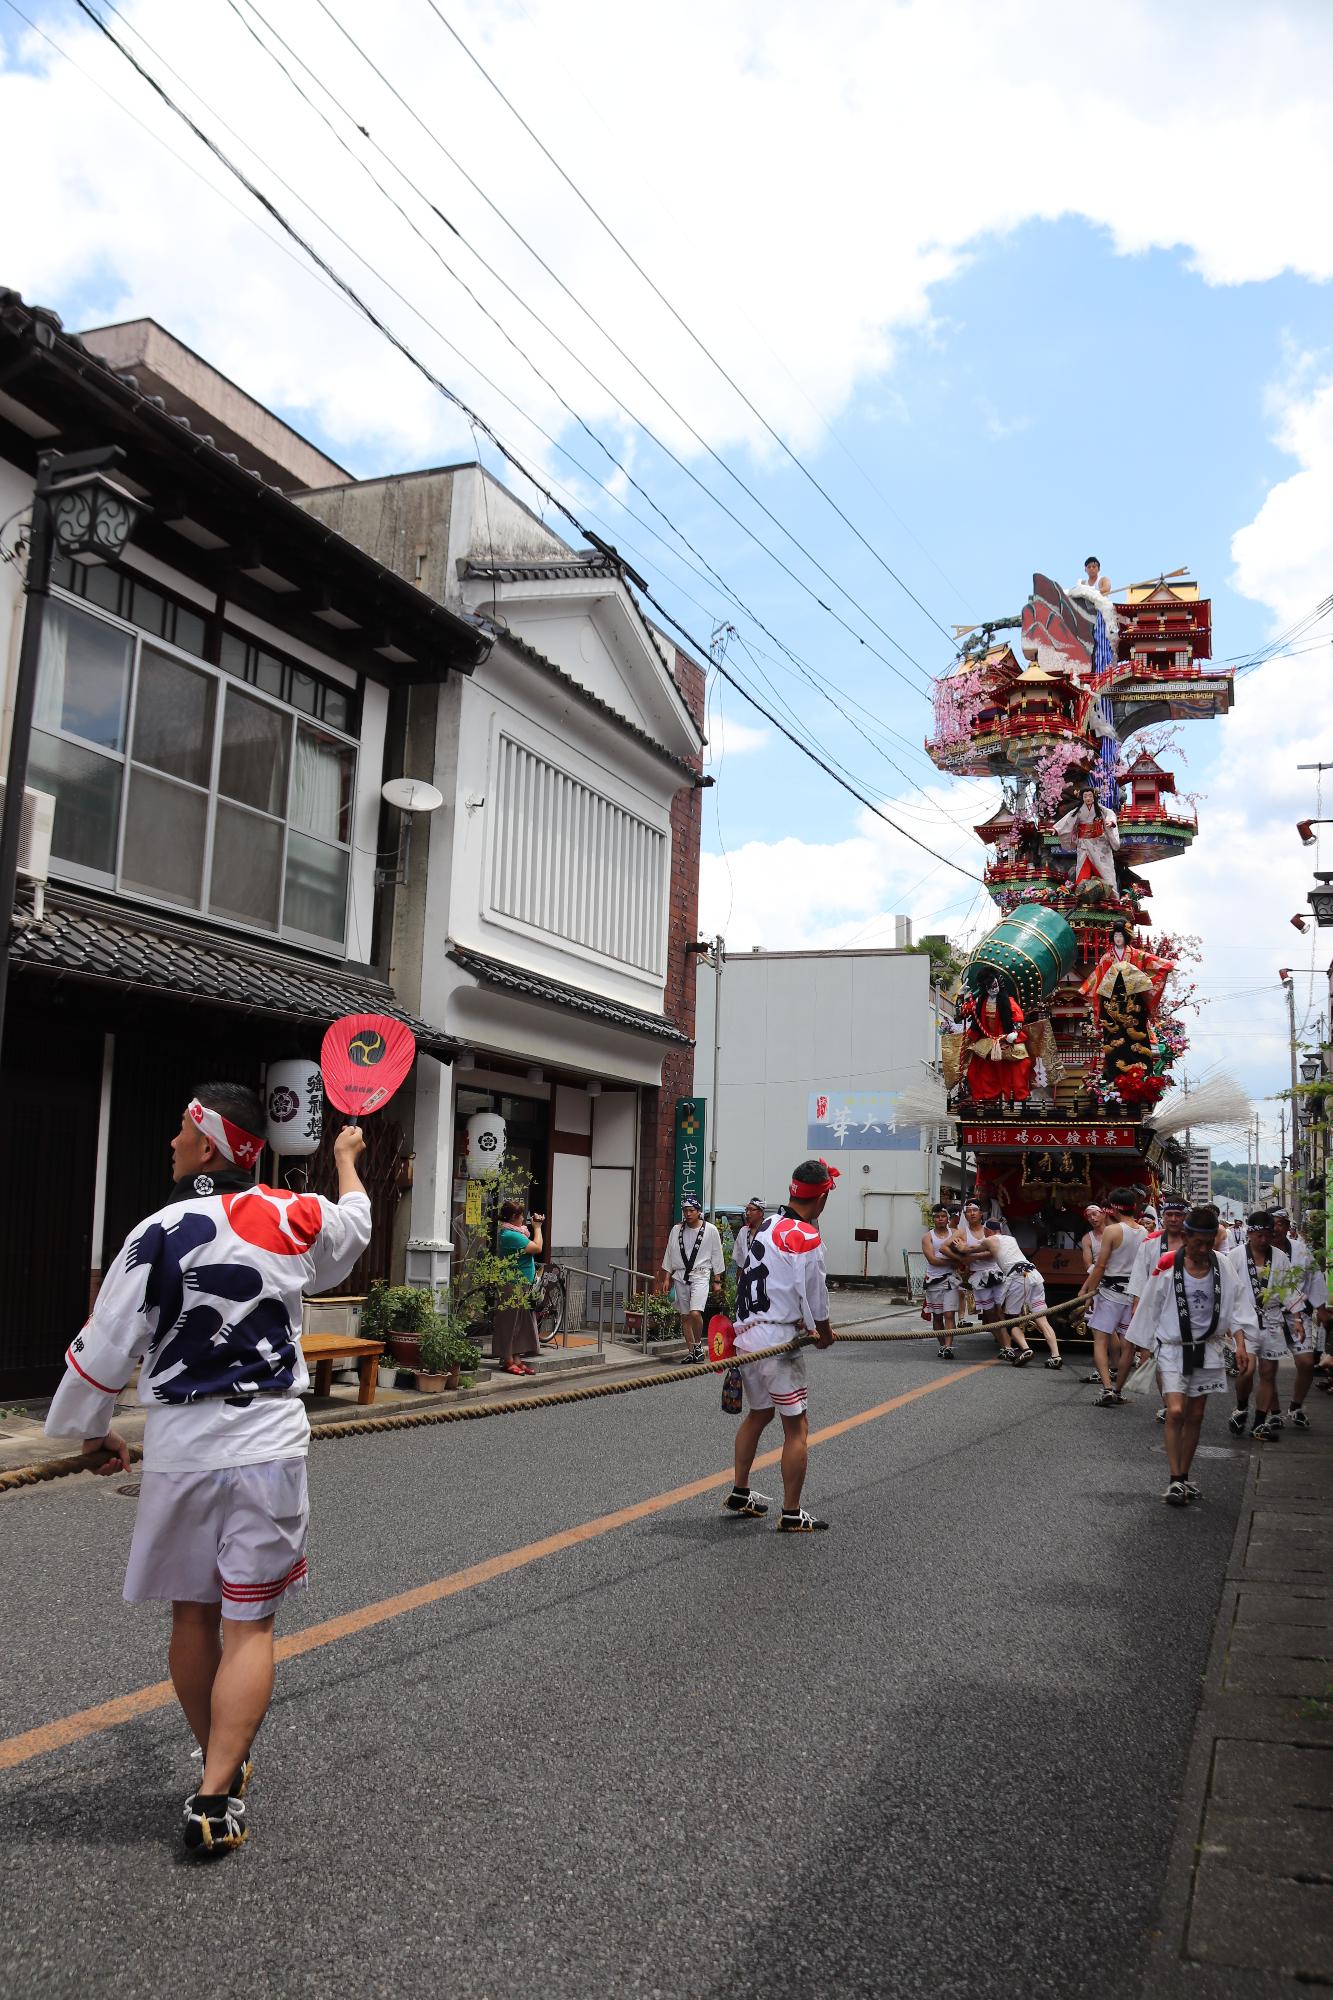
[
  {"x": 87, "y": 795},
  {"x": 83, "y": 684},
  {"x": 322, "y": 777},
  {"x": 173, "y": 718},
  {"x": 83, "y": 691},
  {"x": 247, "y": 867},
  {"x": 256, "y": 743},
  {"x": 316, "y": 899},
  {"x": 184, "y": 783},
  {"x": 165, "y": 828}
]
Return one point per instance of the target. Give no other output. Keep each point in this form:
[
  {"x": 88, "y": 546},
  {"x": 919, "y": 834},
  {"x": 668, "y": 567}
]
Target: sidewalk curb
[{"x": 1169, "y": 1972}]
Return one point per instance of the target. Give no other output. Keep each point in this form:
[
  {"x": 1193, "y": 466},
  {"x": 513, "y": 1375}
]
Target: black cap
[{"x": 1262, "y": 1218}]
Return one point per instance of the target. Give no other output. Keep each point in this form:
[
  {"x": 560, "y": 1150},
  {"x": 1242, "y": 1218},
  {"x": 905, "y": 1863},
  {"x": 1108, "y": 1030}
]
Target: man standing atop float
[
  {"x": 205, "y": 1297},
  {"x": 1107, "y": 1284},
  {"x": 782, "y": 1291},
  {"x": 1191, "y": 1302},
  {"x": 692, "y": 1266}
]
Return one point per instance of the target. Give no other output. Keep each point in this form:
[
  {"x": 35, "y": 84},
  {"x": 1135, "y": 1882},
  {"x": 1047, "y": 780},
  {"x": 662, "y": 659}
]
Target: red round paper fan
[{"x": 364, "y": 1058}]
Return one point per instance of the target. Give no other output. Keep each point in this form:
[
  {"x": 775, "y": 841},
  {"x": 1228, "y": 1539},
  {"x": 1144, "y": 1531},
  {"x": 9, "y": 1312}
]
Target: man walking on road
[
  {"x": 692, "y": 1265},
  {"x": 1107, "y": 1284},
  {"x": 206, "y": 1296},
  {"x": 745, "y": 1235},
  {"x": 1190, "y": 1303},
  {"x": 781, "y": 1291},
  {"x": 1265, "y": 1272}
]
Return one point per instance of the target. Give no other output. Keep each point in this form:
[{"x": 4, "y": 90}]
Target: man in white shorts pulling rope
[
  {"x": 1191, "y": 1302},
  {"x": 781, "y": 1292},
  {"x": 205, "y": 1296},
  {"x": 1108, "y": 1285}
]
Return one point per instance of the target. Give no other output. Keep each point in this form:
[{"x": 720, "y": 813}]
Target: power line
[
  {"x": 665, "y": 400},
  {"x": 472, "y": 416},
  {"x": 542, "y": 377},
  {"x": 682, "y": 322}
]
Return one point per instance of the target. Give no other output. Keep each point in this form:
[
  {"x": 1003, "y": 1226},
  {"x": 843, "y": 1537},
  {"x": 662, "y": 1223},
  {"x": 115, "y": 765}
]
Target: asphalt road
[{"x": 935, "y": 1751}]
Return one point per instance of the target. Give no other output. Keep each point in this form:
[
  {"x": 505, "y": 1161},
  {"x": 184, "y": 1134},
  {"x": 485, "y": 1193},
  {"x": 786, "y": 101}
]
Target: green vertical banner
[{"x": 691, "y": 1150}]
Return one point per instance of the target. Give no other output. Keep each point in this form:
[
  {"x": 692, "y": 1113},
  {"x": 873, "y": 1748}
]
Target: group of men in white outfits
[{"x": 1180, "y": 1293}]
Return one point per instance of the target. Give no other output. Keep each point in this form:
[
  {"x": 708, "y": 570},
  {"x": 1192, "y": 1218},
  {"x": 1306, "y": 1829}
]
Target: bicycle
[{"x": 550, "y": 1305}]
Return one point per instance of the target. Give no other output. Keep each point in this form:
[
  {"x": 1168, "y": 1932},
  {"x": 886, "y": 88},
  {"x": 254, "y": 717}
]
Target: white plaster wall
[
  {"x": 507, "y": 697},
  {"x": 15, "y": 493},
  {"x": 799, "y": 1022}
]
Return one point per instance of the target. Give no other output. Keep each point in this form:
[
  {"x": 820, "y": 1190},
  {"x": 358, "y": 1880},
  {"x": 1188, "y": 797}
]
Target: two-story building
[
  {"x": 546, "y": 912},
  {"x": 214, "y": 721}
]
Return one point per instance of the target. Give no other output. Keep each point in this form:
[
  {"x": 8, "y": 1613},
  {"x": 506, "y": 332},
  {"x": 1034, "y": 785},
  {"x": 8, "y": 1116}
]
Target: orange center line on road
[{"x": 15, "y": 1750}]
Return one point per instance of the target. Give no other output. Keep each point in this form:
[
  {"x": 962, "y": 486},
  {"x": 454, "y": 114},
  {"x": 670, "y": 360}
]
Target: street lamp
[
  {"x": 1311, "y": 1068},
  {"x": 82, "y": 514},
  {"x": 1321, "y": 897}
]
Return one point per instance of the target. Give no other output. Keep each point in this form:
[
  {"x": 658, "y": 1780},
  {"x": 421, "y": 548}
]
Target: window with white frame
[{"x": 184, "y": 784}]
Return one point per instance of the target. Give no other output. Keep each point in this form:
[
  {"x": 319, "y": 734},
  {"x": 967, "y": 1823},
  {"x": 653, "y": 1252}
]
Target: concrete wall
[{"x": 797, "y": 1023}]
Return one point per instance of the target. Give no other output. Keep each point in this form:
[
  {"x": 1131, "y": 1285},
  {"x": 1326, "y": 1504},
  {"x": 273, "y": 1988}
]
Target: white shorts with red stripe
[
  {"x": 778, "y": 1384},
  {"x": 235, "y": 1538}
]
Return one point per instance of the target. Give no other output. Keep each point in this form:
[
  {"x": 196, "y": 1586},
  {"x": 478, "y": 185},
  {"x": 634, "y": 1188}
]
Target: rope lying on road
[{"x": 61, "y": 1468}]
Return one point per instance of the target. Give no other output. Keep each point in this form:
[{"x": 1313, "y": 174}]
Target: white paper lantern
[
  {"x": 294, "y": 1107},
  {"x": 485, "y": 1144}
]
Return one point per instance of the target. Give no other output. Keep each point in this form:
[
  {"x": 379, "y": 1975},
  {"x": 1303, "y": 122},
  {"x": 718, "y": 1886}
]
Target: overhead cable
[
  {"x": 451, "y": 396},
  {"x": 682, "y": 322}
]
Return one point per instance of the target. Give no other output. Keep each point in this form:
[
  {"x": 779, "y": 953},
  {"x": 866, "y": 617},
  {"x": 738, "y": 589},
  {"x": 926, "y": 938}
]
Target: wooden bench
[{"x": 323, "y": 1350}]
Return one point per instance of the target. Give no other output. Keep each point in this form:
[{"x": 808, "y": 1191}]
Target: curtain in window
[
  {"x": 317, "y": 786},
  {"x": 53, "y": 660}
]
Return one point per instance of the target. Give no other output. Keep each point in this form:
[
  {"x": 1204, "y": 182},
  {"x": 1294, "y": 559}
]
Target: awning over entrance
[
  {"x": 499, "y": 973},
  {"x": 85, "y": 940}
]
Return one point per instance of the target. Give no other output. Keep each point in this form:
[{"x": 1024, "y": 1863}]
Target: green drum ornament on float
[{"x": 1030, "y": 953}]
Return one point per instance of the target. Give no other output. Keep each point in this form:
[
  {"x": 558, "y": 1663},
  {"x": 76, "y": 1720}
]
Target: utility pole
[
  {"x": 1282, "y": 1153},
  {"x": 719, "y": 954},
  {"x": 1296, "y": 1203}
]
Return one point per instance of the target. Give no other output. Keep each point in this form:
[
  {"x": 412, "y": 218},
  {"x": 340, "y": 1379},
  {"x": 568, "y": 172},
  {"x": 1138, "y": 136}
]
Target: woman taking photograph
[{"x": 515, "y": 1329}]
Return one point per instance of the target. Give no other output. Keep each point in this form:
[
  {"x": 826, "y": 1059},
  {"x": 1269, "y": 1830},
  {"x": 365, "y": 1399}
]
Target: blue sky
[{"x": 1047, "y": 310}]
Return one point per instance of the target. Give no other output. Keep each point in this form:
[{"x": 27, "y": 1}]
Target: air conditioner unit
[{"x": 39, "y": 813}]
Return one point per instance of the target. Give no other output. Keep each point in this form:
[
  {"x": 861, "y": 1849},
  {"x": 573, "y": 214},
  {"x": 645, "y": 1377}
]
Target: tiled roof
[
  {"x": 80, "y": 938},
  {"x": 557, "y": 570},
  {"x": 514, "y": 979},
  {"x": 593, "y": 701}
]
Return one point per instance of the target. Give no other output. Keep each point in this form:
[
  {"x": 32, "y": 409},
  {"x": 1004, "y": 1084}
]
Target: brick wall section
[{"x": 657, "y": 1136}]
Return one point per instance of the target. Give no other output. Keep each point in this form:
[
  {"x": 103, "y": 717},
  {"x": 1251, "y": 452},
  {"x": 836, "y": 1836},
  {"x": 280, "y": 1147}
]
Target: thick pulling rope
[{"x": 62, "y": 1468}]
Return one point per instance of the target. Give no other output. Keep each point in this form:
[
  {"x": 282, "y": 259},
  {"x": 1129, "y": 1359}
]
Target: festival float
[{"x": 1069, "y": 1011}]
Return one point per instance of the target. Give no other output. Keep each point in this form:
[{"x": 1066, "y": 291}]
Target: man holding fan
[{"x": 204, "y": 1298}]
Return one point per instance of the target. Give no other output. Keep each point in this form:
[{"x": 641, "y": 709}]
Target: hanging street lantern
[
  {"x": 1311, "y": 1069},
  {"x": 92, "y": 518},
  {"x": 1321, "y": 897}
]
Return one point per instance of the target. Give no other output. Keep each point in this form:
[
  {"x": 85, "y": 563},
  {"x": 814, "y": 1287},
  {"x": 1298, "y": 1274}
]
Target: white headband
[{"x": 234, "y": 1143}]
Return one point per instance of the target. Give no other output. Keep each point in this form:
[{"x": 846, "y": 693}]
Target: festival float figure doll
[
  {"x": 1125, "y": 988},
  {"x": 999, "y": 1065},
  {"x": 1093, "y": 832}
]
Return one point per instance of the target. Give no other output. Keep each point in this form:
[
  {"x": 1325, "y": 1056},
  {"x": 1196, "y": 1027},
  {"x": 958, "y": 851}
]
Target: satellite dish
[{"x": 412, "y": 795}]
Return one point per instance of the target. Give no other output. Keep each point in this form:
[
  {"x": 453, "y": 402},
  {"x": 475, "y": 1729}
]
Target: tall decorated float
[{"x": 1069, "y": 1011}]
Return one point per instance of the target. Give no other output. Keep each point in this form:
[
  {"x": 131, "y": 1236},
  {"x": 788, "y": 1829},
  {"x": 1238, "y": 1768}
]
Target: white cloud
[
  {"x": 632, "y": 106},
  {"x": 796, "y": 895},
  {"x": 733, "y": 739},
  {"x": 1284, "y": 556}
]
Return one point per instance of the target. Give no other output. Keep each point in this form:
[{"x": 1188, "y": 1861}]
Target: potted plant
[
  {"x": 397, "y": 1314},
  {"x": 433, "y": 1354},
  {"x": 462, "y": 1355},
  {"x": 386, "y": 1371}
]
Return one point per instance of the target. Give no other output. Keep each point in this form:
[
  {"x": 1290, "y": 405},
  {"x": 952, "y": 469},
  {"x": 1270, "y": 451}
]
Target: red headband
[
  {"x": 809, "y": 1190},
  {"x": 232, "y": 1141}
]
